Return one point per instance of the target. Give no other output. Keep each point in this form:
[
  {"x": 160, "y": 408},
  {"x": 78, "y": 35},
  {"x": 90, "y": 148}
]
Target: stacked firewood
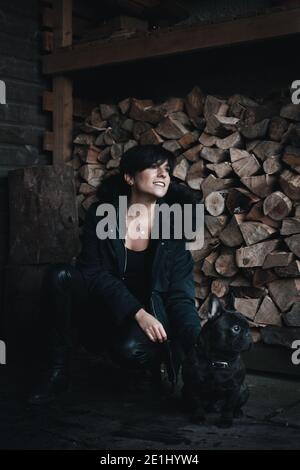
[{"x": 243, "y": 156}]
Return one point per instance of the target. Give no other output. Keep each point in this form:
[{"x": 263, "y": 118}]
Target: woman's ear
[{"x": 129, "y": 179}]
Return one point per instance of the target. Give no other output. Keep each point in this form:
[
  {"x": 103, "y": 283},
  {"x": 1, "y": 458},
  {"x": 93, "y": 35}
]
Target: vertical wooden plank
[
  {"x": 62, "y": 23},
  {"x": 62, "y": 86},
  {"x": 62, "y": 119}
]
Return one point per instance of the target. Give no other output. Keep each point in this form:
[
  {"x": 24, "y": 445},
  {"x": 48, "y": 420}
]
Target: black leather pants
[{"x": 67, "y": 302}]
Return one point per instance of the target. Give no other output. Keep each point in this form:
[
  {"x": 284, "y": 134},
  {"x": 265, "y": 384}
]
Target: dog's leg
[
  {"x": 193, "y": 404},
  {"x": 230, "y": 405},
  {"x": 243, "y": 398}
]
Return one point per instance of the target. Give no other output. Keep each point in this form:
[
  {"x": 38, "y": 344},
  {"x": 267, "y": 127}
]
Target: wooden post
[{"x": 62, "y": 86}]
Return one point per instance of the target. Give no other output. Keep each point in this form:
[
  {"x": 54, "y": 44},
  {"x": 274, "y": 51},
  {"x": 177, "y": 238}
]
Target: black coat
[{"x": 172, "y": 301}]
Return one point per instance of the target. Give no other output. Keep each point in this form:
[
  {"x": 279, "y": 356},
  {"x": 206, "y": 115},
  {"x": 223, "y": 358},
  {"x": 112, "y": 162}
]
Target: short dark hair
[{"x": 140, "y": 157}]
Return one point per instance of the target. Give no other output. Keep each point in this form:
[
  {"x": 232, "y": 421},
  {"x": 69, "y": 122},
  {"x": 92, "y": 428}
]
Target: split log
[
  {"x": 171, "y": 128},
  {"x": 239, "y": 200},
  {"x": 254, "y": 114},
  {"x": 211, "y": 183},
  {"x": 256, "y": 214},
  {"x": 231, "y": 235},
  {"x": 140, "y": 128},
  {"x": 255, "y": 255},
  {"x": 189, "y": 139},
  {"x": 292, "y": 158},
  {"x": 108, "y": 110},
  {"x": 208, "y": 266},
  {"x": 194, "y": 103},
  {"x": 215, "y": 203},
  {"x": 272, "y": 165},
  {"x": 195, "y": 175},
  {"x": 290, "y": 184},
  {"x": 290, "y": 226},
  {"x": 220, "y": 287},
  {"x": 254, "y": 232},
  {"x": 92, "y": 174},
  {"x": 277, "y": 206},
  {"x": 172, "y": 105},
  {"x": 262, "y": 277},
  {"x": 266, "y": 149},
  {"x": 212, "y": 105},
  {"x": 292, "y": 270},
  {"x": 261, "y": 185},
  {"x": 292, "y": 318},
  {"x": 278, "y": 259},
  {"x": 221, "y": 169},
  {"x": 293, "y": 242},
  {"x": 232, "y": 141},
  {"x": 193, "y": 154},
  {"x": 150, "y": 137},
  {"x": 243, "y": 163},
  {"x": 181, "y": 169},
  {"x": 86, "y": 189},
  {"x": 213, "y": 155},
  {"x": 247, "y": 307},
  {"x": 128, "y": 145},
  {"x": 215, "y": 224},
  {"x": 124, "y": 105},
  {"x": 239, "y": 104},
  {"x": 173, "y": 146},
  {"x": 225, "y": 265},
  {"x": 255, "y": 131},
  {"x": 220, "y": 126},
  {"x": 291, "y": 111},
  {"x": 207, "y": 140},
  {"x": 84, "y": 139},
  {"x": 268, "y": 313},
  {"x": 277, "y": 127},
  {"x": 285, "y": 292},
  {"x": 143, "y": 112}
]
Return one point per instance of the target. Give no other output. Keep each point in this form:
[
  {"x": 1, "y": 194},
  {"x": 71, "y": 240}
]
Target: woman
[{"x": 137, "y": 291}]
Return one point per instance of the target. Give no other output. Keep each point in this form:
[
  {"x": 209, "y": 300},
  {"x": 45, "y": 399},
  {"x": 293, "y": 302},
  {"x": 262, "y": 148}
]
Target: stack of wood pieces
[{"x": 243, "y": 156}]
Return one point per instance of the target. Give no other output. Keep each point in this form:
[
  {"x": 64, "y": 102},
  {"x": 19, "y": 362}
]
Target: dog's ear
[{"x": 215, "y": 307}]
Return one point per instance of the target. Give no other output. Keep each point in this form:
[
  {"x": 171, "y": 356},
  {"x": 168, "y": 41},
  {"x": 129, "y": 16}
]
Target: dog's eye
[{"x": 236, "y": 328}]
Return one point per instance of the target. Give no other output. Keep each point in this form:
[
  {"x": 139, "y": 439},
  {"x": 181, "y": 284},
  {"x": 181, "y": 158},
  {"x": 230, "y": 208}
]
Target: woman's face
[{"x": 153, "y": 181}]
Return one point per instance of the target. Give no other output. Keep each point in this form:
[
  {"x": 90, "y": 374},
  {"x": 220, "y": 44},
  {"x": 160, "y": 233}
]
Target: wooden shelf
[{"x": 176, "y": 41}]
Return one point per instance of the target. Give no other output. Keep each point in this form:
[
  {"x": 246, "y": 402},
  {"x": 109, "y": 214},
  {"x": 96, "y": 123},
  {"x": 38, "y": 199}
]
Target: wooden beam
[
  {"x": 179, "y": 40},
  {"x": 62, "y": 23},
  {"x": 81, "y": 108},
  {"x": 62, "y": 119},
  {"x": 62, "y": 86}
]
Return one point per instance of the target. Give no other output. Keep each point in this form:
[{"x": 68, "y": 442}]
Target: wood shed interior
[{"x": 64, "y": 59}]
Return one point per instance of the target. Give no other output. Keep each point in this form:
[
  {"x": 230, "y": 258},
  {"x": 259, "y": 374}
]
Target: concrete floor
[{"x": 103, "y": 412}]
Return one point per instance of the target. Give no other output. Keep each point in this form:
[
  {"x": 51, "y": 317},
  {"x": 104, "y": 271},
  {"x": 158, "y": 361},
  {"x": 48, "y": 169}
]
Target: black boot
[{"x": 55, "y": 380}]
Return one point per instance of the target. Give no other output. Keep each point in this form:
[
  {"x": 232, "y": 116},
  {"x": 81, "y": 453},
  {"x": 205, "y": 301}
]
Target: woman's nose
[{"x": 162, "y": 172}]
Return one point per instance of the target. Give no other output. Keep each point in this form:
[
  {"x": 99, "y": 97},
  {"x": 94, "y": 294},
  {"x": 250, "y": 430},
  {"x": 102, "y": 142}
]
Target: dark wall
[{"x": 22, "y": 121}]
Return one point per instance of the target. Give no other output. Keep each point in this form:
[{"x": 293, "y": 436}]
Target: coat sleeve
[
  {"x": 101, "y": 282},
  {"x": 180, "y": 302}
]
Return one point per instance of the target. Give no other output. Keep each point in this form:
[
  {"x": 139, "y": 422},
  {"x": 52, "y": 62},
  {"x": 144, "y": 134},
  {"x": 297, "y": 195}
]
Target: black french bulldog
[{"x": 213, "y": 372}]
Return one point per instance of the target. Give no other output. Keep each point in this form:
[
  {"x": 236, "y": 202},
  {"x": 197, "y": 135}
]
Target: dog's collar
[{"x": 220, "y": 364}]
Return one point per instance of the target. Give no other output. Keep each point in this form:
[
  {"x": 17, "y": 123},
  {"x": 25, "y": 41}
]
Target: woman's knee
[
  {"x": 140, "y": 354},
  {"x": 59, "y": 275}
]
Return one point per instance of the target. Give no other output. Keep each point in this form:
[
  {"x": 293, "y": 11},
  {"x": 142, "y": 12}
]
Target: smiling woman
[{"x": 137, "y": 293}]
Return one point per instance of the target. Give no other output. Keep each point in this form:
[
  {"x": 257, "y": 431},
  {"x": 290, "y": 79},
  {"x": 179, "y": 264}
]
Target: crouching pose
[{"x": 132, "y": 296}]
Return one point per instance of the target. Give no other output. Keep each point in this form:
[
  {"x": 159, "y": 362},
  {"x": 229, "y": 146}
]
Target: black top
[{"x": 138, "y": 274}]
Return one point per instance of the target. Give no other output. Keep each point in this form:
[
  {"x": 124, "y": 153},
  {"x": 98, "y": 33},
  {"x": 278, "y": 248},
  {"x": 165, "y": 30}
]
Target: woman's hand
[{"x": 151, "y": 326}]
